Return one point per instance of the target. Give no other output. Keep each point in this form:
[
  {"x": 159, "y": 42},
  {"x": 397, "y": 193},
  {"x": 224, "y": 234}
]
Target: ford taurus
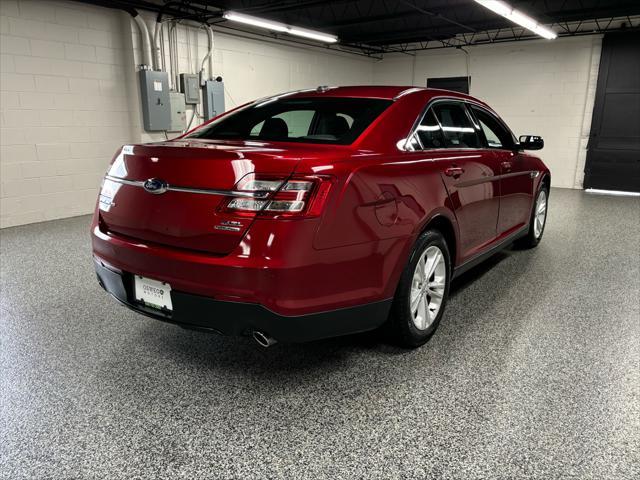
[{"x": 317, "y": 213}]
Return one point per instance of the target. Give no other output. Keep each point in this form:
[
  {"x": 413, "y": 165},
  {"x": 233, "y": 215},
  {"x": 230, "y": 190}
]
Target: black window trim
[{"x": 466, "y": 104}]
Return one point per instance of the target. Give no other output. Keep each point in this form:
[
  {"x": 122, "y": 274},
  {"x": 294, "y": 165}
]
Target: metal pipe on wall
[
  {"x": 163, "y": 65},
  {"x": 146, "y": 39},
  {"x": 210, "y": 53},
  {"x": 173, "y": 54},
  {"x": 157, "y": 58}
]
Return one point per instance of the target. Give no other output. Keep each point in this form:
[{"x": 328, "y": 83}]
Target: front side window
[
  {"x": 304, "y": 120},
  {"x": 457, "y": 127},
  {"x": 497, "y": 136}
]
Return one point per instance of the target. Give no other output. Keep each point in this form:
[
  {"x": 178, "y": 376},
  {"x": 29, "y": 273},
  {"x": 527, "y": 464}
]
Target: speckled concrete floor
[{"x": 534, "y": 373}]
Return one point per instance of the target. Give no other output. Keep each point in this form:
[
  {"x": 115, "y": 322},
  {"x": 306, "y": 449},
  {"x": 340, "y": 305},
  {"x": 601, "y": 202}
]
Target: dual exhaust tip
[{"x": 263, "y": 339}]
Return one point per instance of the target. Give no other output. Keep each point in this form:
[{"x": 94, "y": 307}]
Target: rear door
[
  {"x": 516, "y": 180},
  {"x": 469, "y": 172}
]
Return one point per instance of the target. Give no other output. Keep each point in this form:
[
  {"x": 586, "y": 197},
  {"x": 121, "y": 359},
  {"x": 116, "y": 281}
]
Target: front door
[
  {"x": 516, "y": 181},
  {"x": 516, "y": 191},
  {"x": 470, "y": 174}
]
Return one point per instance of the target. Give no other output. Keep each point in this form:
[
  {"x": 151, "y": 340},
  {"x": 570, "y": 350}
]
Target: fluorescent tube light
[
  {"x": 516, "y": 16},
  {"x": 256, "y": 22},
  {"x": 500, "y": 8},
  {"x": 279, "y": 27},
  {"x": 303, "y": 32}
]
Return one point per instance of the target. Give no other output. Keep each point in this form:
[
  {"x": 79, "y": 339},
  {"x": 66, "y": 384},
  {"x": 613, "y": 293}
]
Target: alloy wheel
[
  {"x": 541, "y": 214},
  {"x": 427, "y": 287}
]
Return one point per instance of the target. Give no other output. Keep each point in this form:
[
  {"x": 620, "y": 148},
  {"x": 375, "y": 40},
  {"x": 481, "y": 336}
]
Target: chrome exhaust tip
[{"x": 263, "y": 339}]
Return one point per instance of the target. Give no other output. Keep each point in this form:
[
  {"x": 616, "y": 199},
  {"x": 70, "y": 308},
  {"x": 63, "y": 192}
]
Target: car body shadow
[{"x": 213, "y": 351}]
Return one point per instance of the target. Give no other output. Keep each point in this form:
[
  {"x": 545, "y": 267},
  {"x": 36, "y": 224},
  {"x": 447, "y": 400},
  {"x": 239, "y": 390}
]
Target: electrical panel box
[
  {"x": 190, "y": 86},
  {"x": 213, "y": 100},
  {"x": 154, "y": 92},
  {"x": 178, "y": 112}
]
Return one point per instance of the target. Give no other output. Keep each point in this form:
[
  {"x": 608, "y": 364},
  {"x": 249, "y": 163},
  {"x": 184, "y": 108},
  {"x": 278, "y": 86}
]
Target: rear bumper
[
  {"x": 240, "y": 318},
  {"x": 274, "y": 266}
]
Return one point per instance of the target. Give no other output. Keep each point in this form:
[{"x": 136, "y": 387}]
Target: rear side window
[
  {"x": 429, "y": 132},
  {"x": 457, "y": 127},
  {"x": 299, "y": 119},
  {"x": 497, "y": 135}
]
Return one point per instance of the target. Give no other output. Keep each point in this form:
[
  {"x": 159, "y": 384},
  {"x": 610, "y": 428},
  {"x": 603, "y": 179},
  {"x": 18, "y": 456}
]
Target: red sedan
[{"x": 317, "y": 213}]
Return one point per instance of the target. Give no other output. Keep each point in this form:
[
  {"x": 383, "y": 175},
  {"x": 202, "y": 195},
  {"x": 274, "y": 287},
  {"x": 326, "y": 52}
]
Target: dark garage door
[{"x": 613, "y": 156}]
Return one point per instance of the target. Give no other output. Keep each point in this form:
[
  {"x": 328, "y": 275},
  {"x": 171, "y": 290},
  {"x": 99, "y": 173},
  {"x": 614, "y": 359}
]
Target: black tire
[
  {"x": 401, "y": 321},
  {"x": 532, "y": 238}
]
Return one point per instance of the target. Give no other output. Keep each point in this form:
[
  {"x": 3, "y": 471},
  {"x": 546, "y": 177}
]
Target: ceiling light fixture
[
  {"x": 279, "y": 27},
  {"x": 516, "y": 16}
]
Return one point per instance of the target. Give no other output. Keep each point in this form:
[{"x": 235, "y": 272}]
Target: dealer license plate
[{"x": 153, "y": 293}]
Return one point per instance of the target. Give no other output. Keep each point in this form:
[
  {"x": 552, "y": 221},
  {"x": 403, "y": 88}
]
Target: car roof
[
  {"x": 355, "y": 91},
  {"x": 387, "y": 92}
]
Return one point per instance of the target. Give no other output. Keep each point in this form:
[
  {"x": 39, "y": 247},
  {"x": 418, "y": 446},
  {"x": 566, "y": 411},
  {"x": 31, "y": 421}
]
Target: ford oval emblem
[{"x": 156, "y": 186}]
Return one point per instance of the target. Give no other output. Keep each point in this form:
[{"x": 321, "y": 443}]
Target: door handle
[
  {"x": 454, "y": 172},
  {"x": 506, "y": 166}
]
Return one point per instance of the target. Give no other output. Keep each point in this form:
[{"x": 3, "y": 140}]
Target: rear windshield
[{"x": 304, "y": 120}]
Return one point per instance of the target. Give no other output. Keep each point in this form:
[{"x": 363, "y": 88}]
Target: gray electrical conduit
[
  {"x": 156, "y": 45},
  {"x": 146, "y": 39},
  {"x": 209, "y": 55},
  {"x": 157, "y": 59}
]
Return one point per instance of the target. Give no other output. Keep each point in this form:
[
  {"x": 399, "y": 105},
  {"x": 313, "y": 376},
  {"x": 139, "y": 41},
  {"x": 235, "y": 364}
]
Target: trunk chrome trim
[
  {"x": 202, "y": 191},
  {"x": 124, "y": 181}
]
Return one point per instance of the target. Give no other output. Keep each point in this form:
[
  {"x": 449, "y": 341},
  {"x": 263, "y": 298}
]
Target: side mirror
[{"x": 531, "y": 142}]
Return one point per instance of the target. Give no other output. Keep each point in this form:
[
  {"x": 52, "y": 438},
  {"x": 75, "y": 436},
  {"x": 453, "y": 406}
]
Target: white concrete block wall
[
  {"x": 64, "y": 107},
  {"x": 541, "y": 87}
]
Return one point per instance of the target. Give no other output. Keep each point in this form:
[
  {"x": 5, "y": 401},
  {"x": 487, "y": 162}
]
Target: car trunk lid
[{"x": 200, "y": 175}]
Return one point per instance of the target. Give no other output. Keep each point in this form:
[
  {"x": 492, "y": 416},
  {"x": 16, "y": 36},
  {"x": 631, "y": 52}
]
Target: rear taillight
[
  {"x": 302, "y": 196},
  {"x": 108, "y": 191}
]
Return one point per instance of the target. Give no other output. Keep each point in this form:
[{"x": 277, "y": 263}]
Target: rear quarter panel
[
  {"x": 379, "y": 205},
  {"x": 392, "y": 197}
]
